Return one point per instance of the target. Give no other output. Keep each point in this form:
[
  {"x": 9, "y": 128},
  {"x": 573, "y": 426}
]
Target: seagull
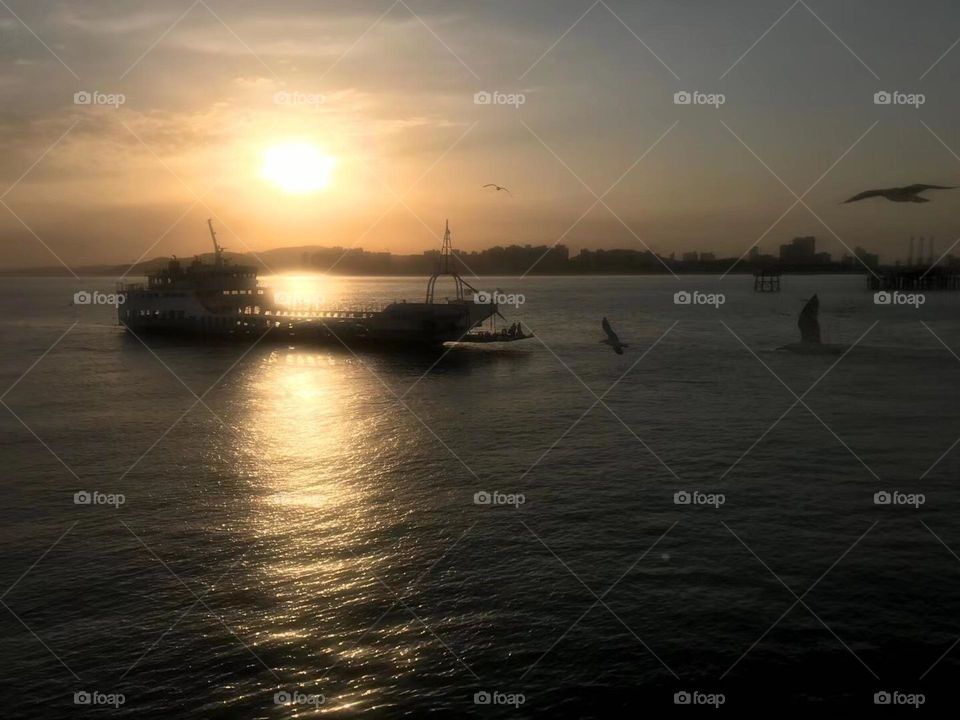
[
  {"x": 612, "y": 339},
  {"x": 499, "y": 188},
  {"x": 911, "y": 193}
]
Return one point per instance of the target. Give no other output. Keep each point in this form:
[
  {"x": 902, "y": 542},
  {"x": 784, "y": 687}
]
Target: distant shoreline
[
  {"x": 43, "y": 273},
  {"x": 498, "y": 261}
]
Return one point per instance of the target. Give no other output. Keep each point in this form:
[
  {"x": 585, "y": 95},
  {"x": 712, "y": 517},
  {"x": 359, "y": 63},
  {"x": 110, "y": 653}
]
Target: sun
[{"x": 297, "y": 167}]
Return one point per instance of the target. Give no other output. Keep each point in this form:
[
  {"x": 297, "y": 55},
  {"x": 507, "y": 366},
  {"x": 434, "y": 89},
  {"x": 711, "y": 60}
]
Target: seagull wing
[
  {"x": 490, "y": 185},
  {"x": 914, "y": 189},
  {"x": 609, "y": 331},
  {"x": 867, "y": 194},
  {"x": 808, "y": 322}
]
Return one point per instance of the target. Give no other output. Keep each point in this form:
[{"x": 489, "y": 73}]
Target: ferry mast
[{"x": 447, "y": 267}]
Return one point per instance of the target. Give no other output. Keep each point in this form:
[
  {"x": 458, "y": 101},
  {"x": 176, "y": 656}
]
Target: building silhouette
[{"x": 802, "y": 252}]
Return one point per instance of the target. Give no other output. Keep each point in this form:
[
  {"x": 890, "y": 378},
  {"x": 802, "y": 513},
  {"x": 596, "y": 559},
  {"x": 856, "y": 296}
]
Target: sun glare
[{"x": 297, "y": 167}]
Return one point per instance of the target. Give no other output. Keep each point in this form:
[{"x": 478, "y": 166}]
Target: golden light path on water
[{"x": 321, "y": 447}]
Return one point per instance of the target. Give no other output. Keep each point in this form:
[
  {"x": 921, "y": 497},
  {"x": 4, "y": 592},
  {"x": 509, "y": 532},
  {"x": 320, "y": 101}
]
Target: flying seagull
[
  {"x": 612, "y": 339},
  {"x": 910, "y": 193},
  {"x": 499, "y": 188}
]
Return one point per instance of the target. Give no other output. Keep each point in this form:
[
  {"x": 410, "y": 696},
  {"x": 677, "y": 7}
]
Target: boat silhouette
[{"x": 223, "y": 300}]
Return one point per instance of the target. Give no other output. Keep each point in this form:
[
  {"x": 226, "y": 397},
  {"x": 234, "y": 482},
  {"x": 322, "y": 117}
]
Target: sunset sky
[{"x": 375, "y": 136}]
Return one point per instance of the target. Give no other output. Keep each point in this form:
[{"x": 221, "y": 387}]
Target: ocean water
[{"x": 310, "y": 524}]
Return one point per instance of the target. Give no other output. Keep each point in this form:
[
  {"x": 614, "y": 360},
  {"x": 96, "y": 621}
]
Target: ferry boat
[{"x": 225, "y": 299}]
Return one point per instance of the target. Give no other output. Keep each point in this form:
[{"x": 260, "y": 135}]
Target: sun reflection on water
[
  {"x": 315, "y": 451},
  {"x": 305, "y": 427}
]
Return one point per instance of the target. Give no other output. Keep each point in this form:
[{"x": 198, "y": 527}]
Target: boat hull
[{"x": 414, "y": 324}]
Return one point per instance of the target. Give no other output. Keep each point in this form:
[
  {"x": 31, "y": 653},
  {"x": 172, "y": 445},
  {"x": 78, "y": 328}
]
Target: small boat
[{"x": 488, "y": 336}]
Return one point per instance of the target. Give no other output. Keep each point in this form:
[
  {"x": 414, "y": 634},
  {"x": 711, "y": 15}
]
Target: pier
[
  {"x": 915, "y": 279},
  {"x": 766, "y": 281}
]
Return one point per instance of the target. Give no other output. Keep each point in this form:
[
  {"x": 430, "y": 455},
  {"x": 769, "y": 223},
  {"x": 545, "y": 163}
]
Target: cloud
[{"x": 395, "y": 97}]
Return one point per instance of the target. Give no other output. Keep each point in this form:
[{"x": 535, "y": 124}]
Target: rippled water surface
[{"x": 303, "y": 519}]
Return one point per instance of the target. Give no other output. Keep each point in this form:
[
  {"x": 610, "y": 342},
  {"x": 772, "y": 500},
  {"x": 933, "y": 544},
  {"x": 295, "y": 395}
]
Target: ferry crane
[{"x": 217, "y": 247}]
